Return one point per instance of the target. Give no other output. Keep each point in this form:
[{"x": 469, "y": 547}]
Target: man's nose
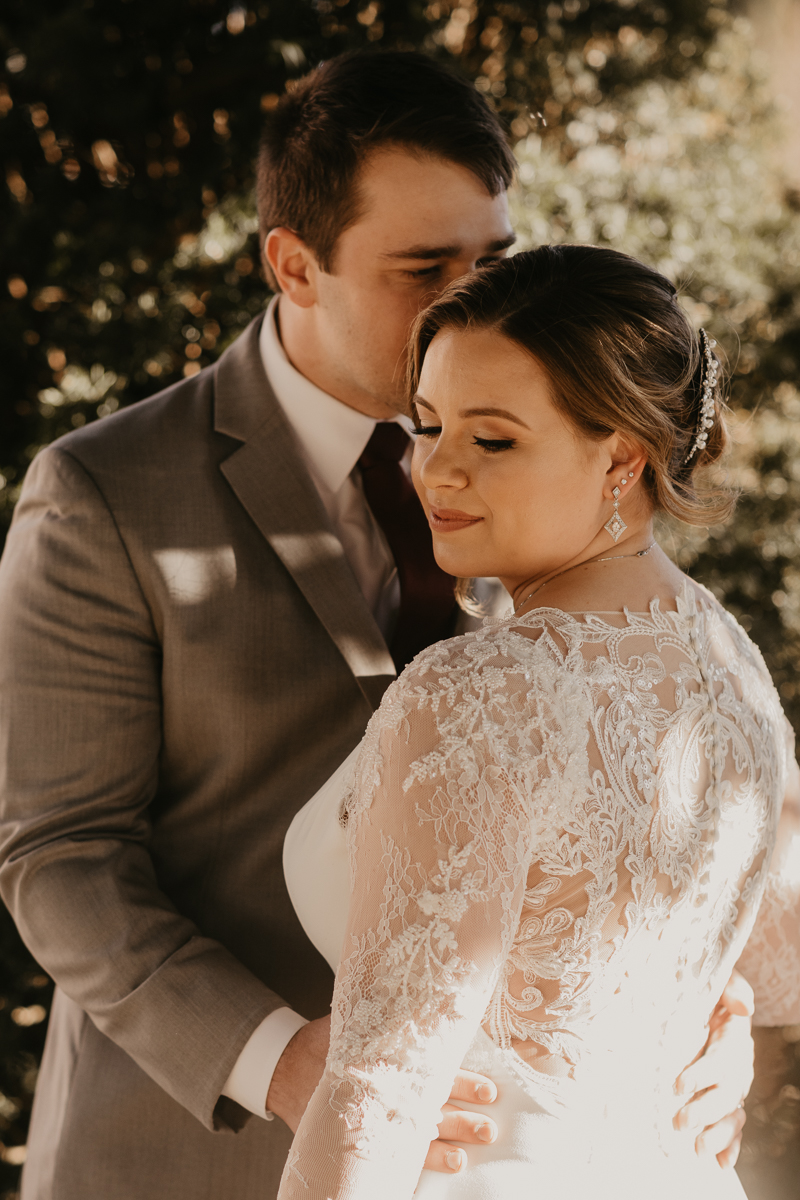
[{"x": 461, "y": 266}]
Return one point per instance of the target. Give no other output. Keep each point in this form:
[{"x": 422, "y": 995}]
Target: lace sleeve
[
  {"x": 771, "y": 958},
  {"x": 440, "y": 840}
]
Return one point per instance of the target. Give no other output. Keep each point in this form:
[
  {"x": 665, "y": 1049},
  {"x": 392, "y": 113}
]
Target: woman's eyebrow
[
  {"x": 494, "y": 412},
  {"x": 476, "y": 412},
  {"x": 423, "y": 403}
]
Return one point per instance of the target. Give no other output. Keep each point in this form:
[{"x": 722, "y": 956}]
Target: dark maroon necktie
[{"x": 426, "y": 592}]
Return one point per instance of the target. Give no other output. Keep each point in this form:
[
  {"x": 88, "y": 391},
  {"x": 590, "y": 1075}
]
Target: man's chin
[
  {"x": 384, "y": 402},
  {"x": 395, "y": 405},
  {"x": 390, "y": 394}
]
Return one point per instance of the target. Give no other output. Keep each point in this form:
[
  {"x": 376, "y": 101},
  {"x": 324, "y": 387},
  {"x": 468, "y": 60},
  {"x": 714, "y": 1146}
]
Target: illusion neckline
[{"x": 688, "y": 594}]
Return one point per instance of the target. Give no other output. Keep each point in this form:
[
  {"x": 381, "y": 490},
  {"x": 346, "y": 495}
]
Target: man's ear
[{"x": 293, "y": 264}]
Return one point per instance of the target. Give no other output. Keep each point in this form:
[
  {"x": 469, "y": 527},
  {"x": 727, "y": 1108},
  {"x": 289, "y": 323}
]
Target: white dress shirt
[{"x": 331, "y": 437}]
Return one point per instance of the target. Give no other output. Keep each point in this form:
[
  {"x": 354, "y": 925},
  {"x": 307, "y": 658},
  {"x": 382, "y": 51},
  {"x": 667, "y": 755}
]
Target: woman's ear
[
  {"x": 628, "y": 461},
  {"x": 293, "y": 264}
]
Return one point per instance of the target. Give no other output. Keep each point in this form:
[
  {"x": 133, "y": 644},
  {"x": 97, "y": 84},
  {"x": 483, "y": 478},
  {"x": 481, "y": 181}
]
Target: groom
[{"x": 201, "y": 601}]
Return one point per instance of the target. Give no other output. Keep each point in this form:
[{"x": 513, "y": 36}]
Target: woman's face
[{"x": 509, "y": 487}]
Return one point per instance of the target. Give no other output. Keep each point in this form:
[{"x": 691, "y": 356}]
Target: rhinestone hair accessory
[{"x": 708, "y": 383}]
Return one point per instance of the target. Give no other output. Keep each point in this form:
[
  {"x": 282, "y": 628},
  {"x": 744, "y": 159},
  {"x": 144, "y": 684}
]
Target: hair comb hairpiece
[{"x": 708, "y": 382}]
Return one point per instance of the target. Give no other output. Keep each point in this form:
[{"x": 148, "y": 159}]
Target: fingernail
[
  {"x": 682, "y": 1119},
  {"x": 486, "y": 1093},
  {"x": 485, "y": 1133},
  {"x": 453, "y": 1160}
]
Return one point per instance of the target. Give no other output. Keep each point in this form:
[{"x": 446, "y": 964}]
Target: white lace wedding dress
[{"x": 559, "y": 832}]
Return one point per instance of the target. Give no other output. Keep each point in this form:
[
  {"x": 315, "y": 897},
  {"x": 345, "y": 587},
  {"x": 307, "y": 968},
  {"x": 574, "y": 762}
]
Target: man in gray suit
[{"x": 202, "y": 600}]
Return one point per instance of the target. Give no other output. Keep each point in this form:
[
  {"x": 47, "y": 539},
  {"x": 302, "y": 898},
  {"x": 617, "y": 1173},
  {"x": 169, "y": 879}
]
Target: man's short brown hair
[{"x": 317, "y": 137}]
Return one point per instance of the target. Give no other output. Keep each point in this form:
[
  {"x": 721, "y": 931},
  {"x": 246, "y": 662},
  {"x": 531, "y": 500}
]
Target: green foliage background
[{"x": 129, "y": 258}]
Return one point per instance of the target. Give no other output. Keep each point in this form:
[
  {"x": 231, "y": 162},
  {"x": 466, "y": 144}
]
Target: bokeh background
[{"x": 129, "y": 258}]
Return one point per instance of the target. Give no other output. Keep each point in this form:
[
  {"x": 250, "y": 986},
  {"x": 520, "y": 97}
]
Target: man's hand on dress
[
  {"x": 720, "y": 1077},
  {"x": 298, "y": 1071},
  {"x": 300, "y": 1068}
]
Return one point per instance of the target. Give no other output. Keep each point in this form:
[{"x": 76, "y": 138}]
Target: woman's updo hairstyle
[{"x": 619, "y": 352}]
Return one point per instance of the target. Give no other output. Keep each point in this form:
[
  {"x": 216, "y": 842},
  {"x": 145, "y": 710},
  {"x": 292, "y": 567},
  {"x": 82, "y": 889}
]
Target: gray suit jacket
[{"x": 185, "y": 656}]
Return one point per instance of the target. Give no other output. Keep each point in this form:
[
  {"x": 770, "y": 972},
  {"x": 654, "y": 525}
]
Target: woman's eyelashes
[
  {"x": 490, "y": 445},
  {"x": 495, "y": 445}
]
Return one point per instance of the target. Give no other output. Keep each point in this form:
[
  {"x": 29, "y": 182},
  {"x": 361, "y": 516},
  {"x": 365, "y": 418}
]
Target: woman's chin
[{"x": 464, "y": 566}]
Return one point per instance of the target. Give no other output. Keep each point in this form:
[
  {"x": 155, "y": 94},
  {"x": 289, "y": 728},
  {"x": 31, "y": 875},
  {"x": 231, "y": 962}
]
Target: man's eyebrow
[{"x": 430, "y": 252}]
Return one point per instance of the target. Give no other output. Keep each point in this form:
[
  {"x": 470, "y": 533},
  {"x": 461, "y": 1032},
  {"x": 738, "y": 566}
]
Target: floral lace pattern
[
  {"x": 556, "y": 823},
  {"x": 771, "y": 958}
]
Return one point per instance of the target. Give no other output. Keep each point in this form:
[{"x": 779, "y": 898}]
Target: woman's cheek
[{"x": 417, "y": 459}]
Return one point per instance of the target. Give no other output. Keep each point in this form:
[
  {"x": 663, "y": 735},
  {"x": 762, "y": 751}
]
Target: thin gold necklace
[{"x": 610, "y": 558}]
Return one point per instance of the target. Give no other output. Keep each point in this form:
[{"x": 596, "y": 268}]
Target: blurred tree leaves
[
  {"x": 25, "y": 994},
  {"x": 125, "y": 125},
  {"x": 128, "y": 259},
  {"x": 678, "y": 173}
]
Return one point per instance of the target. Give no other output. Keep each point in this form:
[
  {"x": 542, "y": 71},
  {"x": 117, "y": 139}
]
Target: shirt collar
[{"x": 331, "y": 434}]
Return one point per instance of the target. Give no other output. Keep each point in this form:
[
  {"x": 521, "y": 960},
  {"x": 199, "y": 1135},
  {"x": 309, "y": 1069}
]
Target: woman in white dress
[{"x": 563, "y": 830}]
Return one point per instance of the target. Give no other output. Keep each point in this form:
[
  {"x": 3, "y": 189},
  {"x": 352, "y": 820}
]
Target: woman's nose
[{"x": 441, "y": 467}]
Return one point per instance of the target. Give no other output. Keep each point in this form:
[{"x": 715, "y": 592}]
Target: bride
[{"x": 561, "y": 829}]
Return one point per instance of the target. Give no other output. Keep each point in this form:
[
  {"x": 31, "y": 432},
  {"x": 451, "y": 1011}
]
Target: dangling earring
[{"x": 615, "y": 524}]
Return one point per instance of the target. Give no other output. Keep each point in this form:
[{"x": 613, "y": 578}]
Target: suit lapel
[{"x": 270, "y": 479}]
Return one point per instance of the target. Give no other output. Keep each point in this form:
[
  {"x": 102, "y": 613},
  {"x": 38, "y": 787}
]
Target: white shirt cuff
[{"x": 248, "y": 1082}]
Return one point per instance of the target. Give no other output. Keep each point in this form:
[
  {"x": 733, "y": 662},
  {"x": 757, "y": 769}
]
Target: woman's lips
[{"x": 449, "y": 520}]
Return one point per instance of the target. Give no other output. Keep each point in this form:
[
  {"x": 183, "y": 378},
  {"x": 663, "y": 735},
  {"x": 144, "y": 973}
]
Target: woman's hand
[
  {"x": 720, "y": 1077},
  {"x": 462, "y": 1125}
]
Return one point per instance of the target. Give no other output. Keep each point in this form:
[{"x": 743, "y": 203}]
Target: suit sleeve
[{"x": 80, "y": 736}]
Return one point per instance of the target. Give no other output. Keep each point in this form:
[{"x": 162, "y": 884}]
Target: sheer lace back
[{"x": 560, "y": 830}]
